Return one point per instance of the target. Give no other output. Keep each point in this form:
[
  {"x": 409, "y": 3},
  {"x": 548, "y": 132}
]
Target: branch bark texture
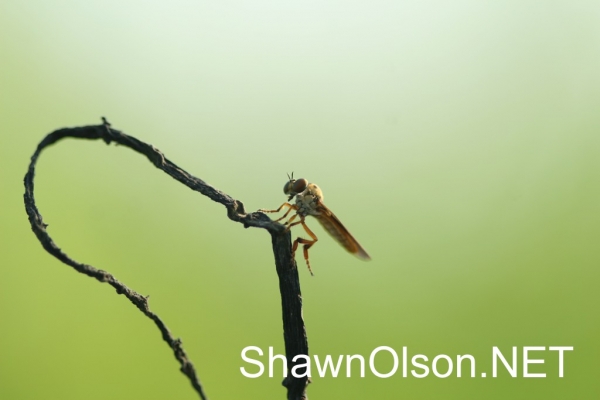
[{"x": 291, "y": 299}]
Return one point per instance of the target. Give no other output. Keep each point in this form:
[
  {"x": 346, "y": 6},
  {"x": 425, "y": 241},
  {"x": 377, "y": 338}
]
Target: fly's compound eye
[
  {"x": 287, "y": 188},
  {"x": 300, "y": 185}
]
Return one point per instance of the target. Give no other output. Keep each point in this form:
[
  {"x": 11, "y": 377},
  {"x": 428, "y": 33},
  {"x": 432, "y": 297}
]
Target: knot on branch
[
  {"x": 236, "y": 211},
  {"x": 104, "y": 276},
  {"x": 156, "y": 157},
  {"x": 107, "y": 133}
]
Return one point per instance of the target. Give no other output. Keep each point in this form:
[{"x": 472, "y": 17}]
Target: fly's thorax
[
  {"x": 315, "y": 191},
  {"x": 307, "y": 200}
]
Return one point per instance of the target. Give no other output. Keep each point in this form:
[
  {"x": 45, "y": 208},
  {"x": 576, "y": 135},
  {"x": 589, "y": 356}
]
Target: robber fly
[{"x": 309, "y": 201}]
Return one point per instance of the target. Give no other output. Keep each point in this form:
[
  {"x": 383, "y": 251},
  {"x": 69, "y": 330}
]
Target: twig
[{"x": 291, "y": 299}]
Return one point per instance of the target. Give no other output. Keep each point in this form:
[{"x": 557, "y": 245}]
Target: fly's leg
[
  {"x": 291, "y": 206},
  {"x": 286, "y": 204},
  {"x": 289, "y": 224},
  {"x": 307, "y": 243}
]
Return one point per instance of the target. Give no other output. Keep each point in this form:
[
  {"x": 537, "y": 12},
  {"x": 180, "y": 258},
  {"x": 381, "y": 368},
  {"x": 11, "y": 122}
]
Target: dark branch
[{"x": 289, "y": 284}]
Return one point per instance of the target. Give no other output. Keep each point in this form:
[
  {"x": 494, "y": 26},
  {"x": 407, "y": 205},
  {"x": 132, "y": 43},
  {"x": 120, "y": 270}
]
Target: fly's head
[{"x": 294, "y": 186}]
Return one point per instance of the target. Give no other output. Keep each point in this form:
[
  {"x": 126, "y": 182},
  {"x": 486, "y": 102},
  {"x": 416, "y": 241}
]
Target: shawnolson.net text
[{"x": 442, "y": 366}]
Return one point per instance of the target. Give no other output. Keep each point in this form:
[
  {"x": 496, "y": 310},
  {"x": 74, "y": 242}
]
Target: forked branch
[{"x": 293, "y": 325}]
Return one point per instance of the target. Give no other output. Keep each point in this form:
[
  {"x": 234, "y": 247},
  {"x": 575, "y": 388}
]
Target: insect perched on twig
[{"x": 309, "y": 201}]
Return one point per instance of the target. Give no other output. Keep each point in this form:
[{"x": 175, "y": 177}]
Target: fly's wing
[{"x": 339, "y": 232}]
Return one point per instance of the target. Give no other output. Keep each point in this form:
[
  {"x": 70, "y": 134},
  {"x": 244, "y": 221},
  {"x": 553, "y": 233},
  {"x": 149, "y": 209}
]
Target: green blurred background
[{"x": 458, "y": 141}]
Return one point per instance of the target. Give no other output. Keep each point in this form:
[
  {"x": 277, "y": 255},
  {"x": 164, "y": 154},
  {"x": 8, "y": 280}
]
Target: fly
[{"x": 309, "y": 201}]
